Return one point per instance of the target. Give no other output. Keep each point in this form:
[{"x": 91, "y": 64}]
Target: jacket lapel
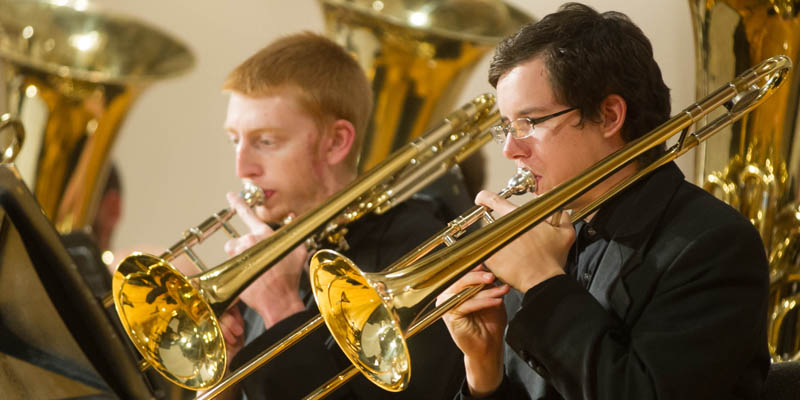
[
  {"x": 616, "y": 255},
  {"x": 629, "y": 222}
]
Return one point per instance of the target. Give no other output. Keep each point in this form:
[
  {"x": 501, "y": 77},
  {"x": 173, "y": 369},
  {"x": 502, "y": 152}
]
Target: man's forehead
[
  {"x": 244, "y": 108},
  {"x": 525, "y": 91},
  {"x": 524, "y": 104}
]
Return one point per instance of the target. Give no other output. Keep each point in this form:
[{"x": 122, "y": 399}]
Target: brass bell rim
[
  {"x": 326, "y": 258},
  {"x": 176, "y": 62},
  {"x": 517, "y": 18},
  {"x": 146, "y": 263}
]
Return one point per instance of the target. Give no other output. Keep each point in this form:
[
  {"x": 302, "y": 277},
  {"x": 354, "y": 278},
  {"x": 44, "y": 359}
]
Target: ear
[
  {"x": 613, "y": 109},
  {"x": 339, "y": 141}
]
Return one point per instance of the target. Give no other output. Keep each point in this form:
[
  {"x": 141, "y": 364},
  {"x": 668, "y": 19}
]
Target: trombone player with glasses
[
  {"x": 297, "y": 113},
  {"x": 661, "y": 293}
]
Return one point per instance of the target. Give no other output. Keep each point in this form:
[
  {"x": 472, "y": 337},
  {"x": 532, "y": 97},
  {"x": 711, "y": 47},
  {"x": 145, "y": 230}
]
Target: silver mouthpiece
[{"x": 523, "y": 181}]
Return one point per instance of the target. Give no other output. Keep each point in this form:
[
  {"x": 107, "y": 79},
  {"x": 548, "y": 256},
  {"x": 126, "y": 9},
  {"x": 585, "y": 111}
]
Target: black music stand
[{"x": 55, "y": 339}]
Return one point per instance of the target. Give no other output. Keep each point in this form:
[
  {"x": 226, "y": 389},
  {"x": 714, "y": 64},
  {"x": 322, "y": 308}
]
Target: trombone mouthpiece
[
  {"x": 252, "y": 194},
  {"x": 522, "y": 182}
]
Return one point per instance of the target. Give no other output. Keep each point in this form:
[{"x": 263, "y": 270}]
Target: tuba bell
[
  {"x": 754, "y": 165},
  {"x": 70, "y": 76},
  {"x": 417, "y": 54},
  {"x": 12, "y": 135}
]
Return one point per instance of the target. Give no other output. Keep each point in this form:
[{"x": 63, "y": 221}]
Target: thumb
[
  {"x": 563, "y": 219},
  {"x": 245, "y": 213}
]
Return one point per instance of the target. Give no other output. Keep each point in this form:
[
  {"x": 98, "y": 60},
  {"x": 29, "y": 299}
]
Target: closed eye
[{"x": 265, "y": 141}]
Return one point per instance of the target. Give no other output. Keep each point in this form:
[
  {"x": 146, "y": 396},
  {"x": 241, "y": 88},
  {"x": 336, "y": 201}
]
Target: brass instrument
[
  {"x": 754, "y": 166},
  {"x": 10, "y": 145},
  {"x": 417, "y": 54},
  {"x": 520, "y": 183},
  {"x": 252, "y": 196},
  {"x": 172, "y": 319},
  {"x": 69, "y": 76},
  {"x": 370, "y": 314}
]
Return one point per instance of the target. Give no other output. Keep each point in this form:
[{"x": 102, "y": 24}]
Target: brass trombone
[
  {"x": 172, "y": 319},
  {"x": 252, "y": 196},
  {"x": 371, "y": 314},
  {"x": 520, "y": 183}
]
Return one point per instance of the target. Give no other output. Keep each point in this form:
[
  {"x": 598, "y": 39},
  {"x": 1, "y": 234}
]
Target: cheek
[
  {"x": 291, "y": 161},
  {"x": 541, "y": 155},
  {"x": 313, "y": 162},
  {"x": 301, "y": 171},
  {"x": 318, "y": 168},
  {"x": 557, "y": 158}
]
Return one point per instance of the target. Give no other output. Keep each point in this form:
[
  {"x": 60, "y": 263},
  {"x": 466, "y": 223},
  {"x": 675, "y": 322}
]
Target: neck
[
  {"x": 337, "y": 179},
  {"x": 602, "y": 188},
  {"x": 330, "y": 181}
]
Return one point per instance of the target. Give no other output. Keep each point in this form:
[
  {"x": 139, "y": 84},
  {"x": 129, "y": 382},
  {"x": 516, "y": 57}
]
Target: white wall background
[{"x": 174, "y": 160}]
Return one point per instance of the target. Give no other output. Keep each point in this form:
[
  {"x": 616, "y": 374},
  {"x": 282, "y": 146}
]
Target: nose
[
  {"x": 514, "y": 148},
  {"x": 247, "y": 165}
]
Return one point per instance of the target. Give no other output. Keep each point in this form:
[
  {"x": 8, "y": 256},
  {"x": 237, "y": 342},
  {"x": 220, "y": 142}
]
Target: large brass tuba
[
  {"x": 417, "y": 54},
  {"x": 70, "y": 75},
  {"x": 754, "y": 166}
]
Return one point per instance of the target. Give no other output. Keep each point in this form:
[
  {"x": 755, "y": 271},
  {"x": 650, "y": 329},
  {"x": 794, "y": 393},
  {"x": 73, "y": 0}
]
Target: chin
[{"x": 266, "y": 215}]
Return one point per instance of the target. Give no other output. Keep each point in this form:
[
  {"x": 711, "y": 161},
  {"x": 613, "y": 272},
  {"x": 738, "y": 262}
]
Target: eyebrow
[
  {"x": 531, "y": 110},
  {"x": 525, "y": 112},
  {"x": 259, "y": 131}
]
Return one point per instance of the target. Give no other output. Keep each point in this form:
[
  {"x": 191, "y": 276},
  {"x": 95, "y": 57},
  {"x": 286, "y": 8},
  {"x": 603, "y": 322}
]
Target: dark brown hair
[{"x": 589, "y": 56}]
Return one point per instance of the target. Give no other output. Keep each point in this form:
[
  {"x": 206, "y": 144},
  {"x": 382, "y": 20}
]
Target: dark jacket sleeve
[
  {"x": 508, "y": 390},
  {"x": 701, "y": 325}
]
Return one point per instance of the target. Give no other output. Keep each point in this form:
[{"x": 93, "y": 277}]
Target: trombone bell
[
  {"x": 357, "y": 312},
  {"x": 169, "y": 322},
  {"x": 377, "y": 310}
]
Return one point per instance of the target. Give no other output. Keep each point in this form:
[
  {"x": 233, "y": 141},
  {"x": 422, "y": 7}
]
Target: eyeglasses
[{"x": 523, "y": 127}]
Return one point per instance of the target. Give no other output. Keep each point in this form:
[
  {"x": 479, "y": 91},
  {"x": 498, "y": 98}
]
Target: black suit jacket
[
  {"x": 375, "y": 242},
  {"x": 675, "y": 309}
]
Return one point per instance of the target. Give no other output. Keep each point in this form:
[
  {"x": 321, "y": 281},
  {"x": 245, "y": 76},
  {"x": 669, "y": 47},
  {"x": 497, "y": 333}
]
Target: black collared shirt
[{"x": 585, "y": 254}]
